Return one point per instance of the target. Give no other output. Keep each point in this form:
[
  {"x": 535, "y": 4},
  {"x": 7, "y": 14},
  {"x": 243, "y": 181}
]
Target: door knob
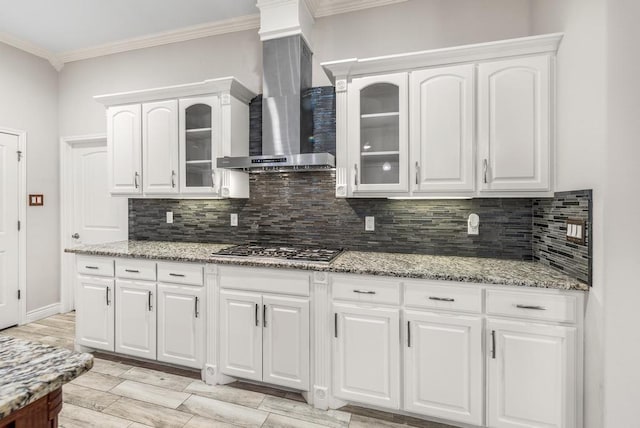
[{"x": 76, "y": 236}]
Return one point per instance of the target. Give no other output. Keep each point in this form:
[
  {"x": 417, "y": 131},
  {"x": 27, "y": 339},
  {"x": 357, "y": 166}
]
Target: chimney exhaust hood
[{"x": 287, "y": 116}]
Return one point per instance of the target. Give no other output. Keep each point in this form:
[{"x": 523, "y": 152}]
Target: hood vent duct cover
[{"x": 287, "y": 116}]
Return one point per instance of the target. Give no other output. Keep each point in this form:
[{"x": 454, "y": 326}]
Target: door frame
[
  {"x": 67, "y": 271},
  {"x": 22, "y": 218}
]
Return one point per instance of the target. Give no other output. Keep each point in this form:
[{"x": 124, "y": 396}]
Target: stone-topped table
[
  {"x": 31, "y": 377},
  {"x": 462, "y": 269}
]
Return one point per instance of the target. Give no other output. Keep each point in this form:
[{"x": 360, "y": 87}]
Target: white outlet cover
[
  {"x": 234, "y": 219},
  {"x": 473, "y": 224},
  {"x": 169, "y": 216},
  {"x": 369, "y": 223}
]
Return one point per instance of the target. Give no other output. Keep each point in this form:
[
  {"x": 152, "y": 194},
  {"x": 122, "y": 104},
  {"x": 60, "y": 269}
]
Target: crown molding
[
  {"x": 33, "y": 49},
  {"x": 542, "y": 44},
  {"x": 241, "y": 23},
  {"x": 321, "y": 8}
]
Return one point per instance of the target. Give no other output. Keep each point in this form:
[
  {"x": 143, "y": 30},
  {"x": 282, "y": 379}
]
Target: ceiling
[{"x": 68, "y": 25}]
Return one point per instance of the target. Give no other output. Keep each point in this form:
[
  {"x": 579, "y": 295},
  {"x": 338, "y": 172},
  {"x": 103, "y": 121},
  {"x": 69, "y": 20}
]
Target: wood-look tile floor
[{"x": 119, "y": 392}]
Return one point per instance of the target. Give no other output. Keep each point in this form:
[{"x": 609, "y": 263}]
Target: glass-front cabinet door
[
  {"x": 199, "y": 145},
  {"x": 378, "y": 133}
]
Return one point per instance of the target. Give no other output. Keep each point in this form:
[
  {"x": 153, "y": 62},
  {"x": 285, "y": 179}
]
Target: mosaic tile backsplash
[{"x": 550, "y": 245}]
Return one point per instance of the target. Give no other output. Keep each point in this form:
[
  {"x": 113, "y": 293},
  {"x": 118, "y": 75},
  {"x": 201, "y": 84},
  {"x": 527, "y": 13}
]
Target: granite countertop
[
  {"x": 31, "y": 370},
  {"x": 463, "y": 269}
]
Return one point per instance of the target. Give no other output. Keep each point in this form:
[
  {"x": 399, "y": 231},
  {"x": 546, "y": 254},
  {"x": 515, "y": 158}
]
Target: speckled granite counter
[
  {"x": 464, "y": 269},
  {"x": 30, "y": 370}
]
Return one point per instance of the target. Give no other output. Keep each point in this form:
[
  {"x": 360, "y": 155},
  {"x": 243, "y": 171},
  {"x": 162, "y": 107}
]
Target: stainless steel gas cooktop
[{"x": 302, "y": 254}]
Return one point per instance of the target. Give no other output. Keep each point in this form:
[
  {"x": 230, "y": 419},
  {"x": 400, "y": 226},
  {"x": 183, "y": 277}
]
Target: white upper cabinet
[
  {"x": 442, "y": 118},
  {"x": 165, "y": 142},
  {"x": 470, "y": 120},
  {"x": 125, "y": 150},
  {"x": 514, "y": 124},
  {"x": 160, "y": 147},
  {"x": 378, "y": 138}
]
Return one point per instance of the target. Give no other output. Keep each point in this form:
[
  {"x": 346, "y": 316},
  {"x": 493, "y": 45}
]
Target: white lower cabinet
[
  {"x": 95, "y": 313},
  {"x": 181, "y": 325},
  {"x": 135, "y": 321},
  {"x": 443, "y": 366},
  {"x": 265, "y": 338},
  {"x": 366, "y": 355},
  {"x": 532, "y": 375}
]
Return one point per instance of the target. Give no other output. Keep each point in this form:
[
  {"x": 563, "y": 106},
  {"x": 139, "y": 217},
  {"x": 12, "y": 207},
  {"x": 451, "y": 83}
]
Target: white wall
[
  {"x": 581, "y": 148},
  {"x": 622, "y": 253},
  {"x": 29, "y": 102}
]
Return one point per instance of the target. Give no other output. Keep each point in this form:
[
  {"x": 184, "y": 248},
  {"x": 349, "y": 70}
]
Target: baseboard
[{"x": 44, "y": 312}]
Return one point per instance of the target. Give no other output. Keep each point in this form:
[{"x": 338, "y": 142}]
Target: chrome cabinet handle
[
  {"x": 408, "y": 334},
  {"x": 135, "y": 179},
  {"x": 256, "y": 314},
  {"x": 417, "y": 173},
  {"x": 173, "y": 178},
  {"x": 76, "y": 236},
  {"x": 107, "y": 295},
  {"x": 197, "y": 307},
  {"x": 149, "y": 298},
  {"x": 364, "y": 292},
  {"x": 335, "y": 324},
  {"x": 493, "y": 344},
  {"x": 442, "y": 299},
  {"x": 213, "y": 179},
  {"x": 92, "y": 267},
  {"x": 264, "y": 316},
  {"x": 132, "y": 270},
  {"x": 179, "y": 275},
  {"x": 534, "y": 307},
  {"x": 485, "y": 168},
  {"x": 355, "y": 177}
]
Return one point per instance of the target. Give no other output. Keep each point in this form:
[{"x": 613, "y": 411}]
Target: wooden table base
[{"x": 42, "y": 413}]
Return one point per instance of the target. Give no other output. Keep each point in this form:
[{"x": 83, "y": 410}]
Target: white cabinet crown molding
[
  {"x": 546, "y": 43},
  {"x": 210, "y": 86}
]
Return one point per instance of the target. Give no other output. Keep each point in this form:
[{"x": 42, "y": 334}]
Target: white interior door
[
  {"x": 9, "y": 214},
  {"x": 92, "y": 215}
]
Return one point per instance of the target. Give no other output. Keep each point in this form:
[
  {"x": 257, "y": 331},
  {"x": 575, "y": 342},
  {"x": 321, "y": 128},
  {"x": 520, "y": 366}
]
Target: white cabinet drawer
[
  {"x": 265, "y": 280},
  {"x": 94, "y": 266},
  {"x": 363, "y": 289},
  {"x": 136, "y": 269},
  {"x": 447, "y": 296},
  {"x": 548, "y": 307},
  {"x": 181, "y": 273}
]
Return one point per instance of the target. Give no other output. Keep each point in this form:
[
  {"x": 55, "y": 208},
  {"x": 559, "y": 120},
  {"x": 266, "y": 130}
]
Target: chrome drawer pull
[
  {"x": 180, "y": 275},
  {"x": 364, "y": 292},
  {"x": 92, "y": 267},
  {"x": 535, "y": 307},
  {"x": 442, "y": 299},
  {"x": 132, "y": 270}
]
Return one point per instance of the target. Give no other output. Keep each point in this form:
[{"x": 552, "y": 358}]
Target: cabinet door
[
  {"x": 513, "y": 124},
  {"x": 125, "y": 149},
  {"x": 442, "y": 118},
  {"x": 443, "y": 366},
  {"x": 378, "y": 140},
  {"x": 286, "y": 342},
  {"x": 366, "y": 348},
  {"x": 136, "y": 318},
  {"x": 241, "y": 334},
  {"x": 181, "y": 325},
  {"x": 199, "y": 145},
  {"x": 160, "y": 147},
  {"x": 95, "y": 313},
  {"x": 532, "y": 379}
]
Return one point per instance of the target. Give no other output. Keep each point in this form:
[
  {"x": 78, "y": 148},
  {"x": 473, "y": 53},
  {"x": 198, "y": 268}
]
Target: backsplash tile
[
  {"x": 550, "y": 245},
  {"x": 301, "y": 209}
]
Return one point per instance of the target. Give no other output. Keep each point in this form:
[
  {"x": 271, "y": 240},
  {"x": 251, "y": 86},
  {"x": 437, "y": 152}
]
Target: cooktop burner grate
[{"x": 319, "y": 255}]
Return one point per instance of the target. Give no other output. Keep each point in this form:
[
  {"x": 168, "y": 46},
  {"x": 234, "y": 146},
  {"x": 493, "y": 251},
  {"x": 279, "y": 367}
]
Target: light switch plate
[
  {"x": 169, "y": 216},
  {"x": 576, "y": 231},
  {"x": 369, "y": 223},
  {"x": 234, "y": 219}
]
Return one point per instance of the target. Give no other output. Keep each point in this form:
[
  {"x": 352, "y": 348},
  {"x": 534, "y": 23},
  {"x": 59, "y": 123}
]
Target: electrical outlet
[
  {"x": 473, "y": 224},
  {"x": 369, "y": 223},
  {"x": 234, "y": 219},
  {"x": 169, "y": 216}
]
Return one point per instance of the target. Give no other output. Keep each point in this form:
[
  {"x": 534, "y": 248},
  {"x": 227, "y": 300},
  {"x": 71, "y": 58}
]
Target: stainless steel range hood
[{"x": 287, "y": 116}]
